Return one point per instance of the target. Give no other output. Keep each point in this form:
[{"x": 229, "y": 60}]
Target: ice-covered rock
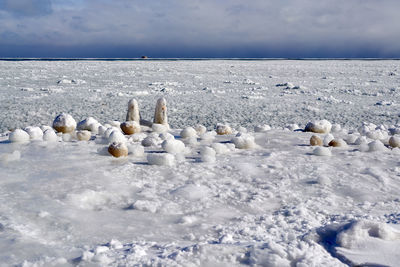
[
  {"x": 136, "y": 150},
  {"x": 83, "y": 135},
  {"x": 151, "y": 141},
  {"x": 394, "y": 141},
  {"x": 64, "y": 123},
  {"x": 200, "y": 129},
  {"x": 163, "y": 159},
  {"x": 244, "y": 141},
  {"x": 222, "y": 148},
  {"x": 337, "y": 142},
  {"x": 322, "y": 151},
  {"x": 116, "y": 136},
  {"x": 35, "y": 133},
  {"x": 133, "y": 111},
  {"x": 321, "y": 126},
  {"x": 376, "y": 146},
  {"x": 336, "y": 128},
  {"x": 188, "y": 132},
  {"x": 86, "y": 124},
  {"x": 223, "y": 129},
  {"x": 118, "y": 149},
  {"x": 262, "y": 128},
  {"x": 159, "y": 128},
  {"x": 208, "y": 136},
  {"x": 315, "y": 141},
  {"x": 166, "y": 136},
  {"x": 18, "y": 136},
  {"x": 50, "y": 136},
  {"x": 130, "y": 127},
  {"x": 351, "y": 138},
  {"x": 173, "y": 146},
  {"x": 160, "y": 114},
  {"x": 327, "y": 139}
]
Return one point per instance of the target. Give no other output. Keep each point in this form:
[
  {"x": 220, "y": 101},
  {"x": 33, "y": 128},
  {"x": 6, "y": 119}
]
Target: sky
[{"x": 200, "y": 28}]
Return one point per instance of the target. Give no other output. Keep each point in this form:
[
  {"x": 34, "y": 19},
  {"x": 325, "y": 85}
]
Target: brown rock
[
  {"x": 315, "y": 141},
  {"x": 118, "y": 150}
]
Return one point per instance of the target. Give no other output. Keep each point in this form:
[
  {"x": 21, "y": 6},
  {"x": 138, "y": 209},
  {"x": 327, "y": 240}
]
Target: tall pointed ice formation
[
  {"x": 160, "y": 115},
  {"x": 133, "y": 111}
]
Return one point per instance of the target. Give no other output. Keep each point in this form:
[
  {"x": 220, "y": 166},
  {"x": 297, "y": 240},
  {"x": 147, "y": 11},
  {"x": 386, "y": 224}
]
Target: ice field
[{"x": 274, "y": 201}]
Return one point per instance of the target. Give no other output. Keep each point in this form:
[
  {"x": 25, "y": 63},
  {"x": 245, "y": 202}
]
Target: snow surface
[{"x": 275, "y": 202}]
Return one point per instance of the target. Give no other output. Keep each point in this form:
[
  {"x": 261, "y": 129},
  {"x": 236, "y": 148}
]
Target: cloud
[
  {"x": 26, "y": 7},
  {"x": 261, "y": 28}
]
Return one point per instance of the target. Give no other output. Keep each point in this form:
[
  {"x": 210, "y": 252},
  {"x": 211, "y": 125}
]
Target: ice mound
[
  {"x": 151, "y": 140},
  {"x": 222, "y": 148},
  {"x": 35, "y": 133},
  {"x": 244, "y": 141},
  {"x": 322, "y": 151},
  {"x": 92, "y": 200},
  {"x": 18, "y": 136},
  {"x": 208, "y": 136},
  {"x": 337, "y": 142},
  {"x": 166, "y": 136},
  {"x": 376, "y": 146},
  {"x": 368, "y": 242},
  {"x": 262, "y": 128},
  {"x": 50, "y": 136},
  {"x": 322, "y": 126},
  {"x": 188, "y": 132},
  {"x": 207, "y": 154},
  {"x": 159, "y": 128},
  {"x": 136, "y": 150},
  {"x": 162, "y": 159},
  {"x": 64, "y": 123},
  {"x": 173, "y": 146}
]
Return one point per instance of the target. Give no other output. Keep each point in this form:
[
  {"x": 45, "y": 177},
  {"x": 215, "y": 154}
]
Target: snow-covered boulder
[
  {"x": 35, "y": 133},
  {"x": 159, "y": 128},
  {"x": 173, "y": 146},
  {"x": 376, "y": 146},
  {"x": 394, "y": 141},
  {"x": 244, "y": 141},
  {"x": 18, "y": 136},
  {"x": 136, "y": 150},
  {"x": 321, "y": 126},
  {"x": 337, "y": 142},
  {"x": 50, "y": 136},
  {"x": 64, "y": 123},
  {"x": 200, "y": 129},
  {"x": 262, "y": 128},
  {"x": 86, "y": 124},
  {"x": 223, "y": 129},
  {"x": 188, "y": 132},
  {"x": 116, "y": 136},
  {"x": 151, "y": 140}
]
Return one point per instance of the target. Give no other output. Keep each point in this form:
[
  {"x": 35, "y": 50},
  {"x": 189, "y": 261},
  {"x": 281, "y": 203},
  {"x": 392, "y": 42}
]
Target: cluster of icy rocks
[{"x": 368, "y": 137}]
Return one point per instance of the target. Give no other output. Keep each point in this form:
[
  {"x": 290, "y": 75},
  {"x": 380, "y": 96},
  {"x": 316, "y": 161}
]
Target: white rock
[
  {"x": 173, "y": 146},
  {"x": 376, "y": 146},
  {"x": 163, "y": 159},
  {"x": 188, "y": 132},
  {"x": 200, "y": 129},
  {"x": 35, "y": 133},
  {"x": 18, "y": 136},
  {"x": 83, "y": 135},
  {"x": 50, "y": 136},
  {"x": 262, "y": 128},
  {"x": 244, "y": 141},
  {"x": 321, "y": 126},
  {"x": 322, "y": 151},
  {"x": 85, "y": 124},
  {"x": 116, "y": 136}
]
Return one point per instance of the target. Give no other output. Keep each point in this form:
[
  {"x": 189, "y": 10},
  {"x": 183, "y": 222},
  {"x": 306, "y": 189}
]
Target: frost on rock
[
  {"x": 130, "y": 127},
  {"x": 223, "y": 129},
  {"x": 118, "y": 149},
  {"x": 244, "y": 141},
  {"x": 86, "y": 124},
  {"x": 173, "y": 146},
  {"x": 116, "y": 136}
]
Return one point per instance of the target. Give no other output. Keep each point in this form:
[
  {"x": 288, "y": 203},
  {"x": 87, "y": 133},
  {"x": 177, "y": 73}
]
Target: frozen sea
[{"x": 69, "y": 203}]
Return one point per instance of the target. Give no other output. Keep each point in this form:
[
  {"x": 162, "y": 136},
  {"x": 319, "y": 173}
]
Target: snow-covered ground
[{"x": 276, "y": 203}]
